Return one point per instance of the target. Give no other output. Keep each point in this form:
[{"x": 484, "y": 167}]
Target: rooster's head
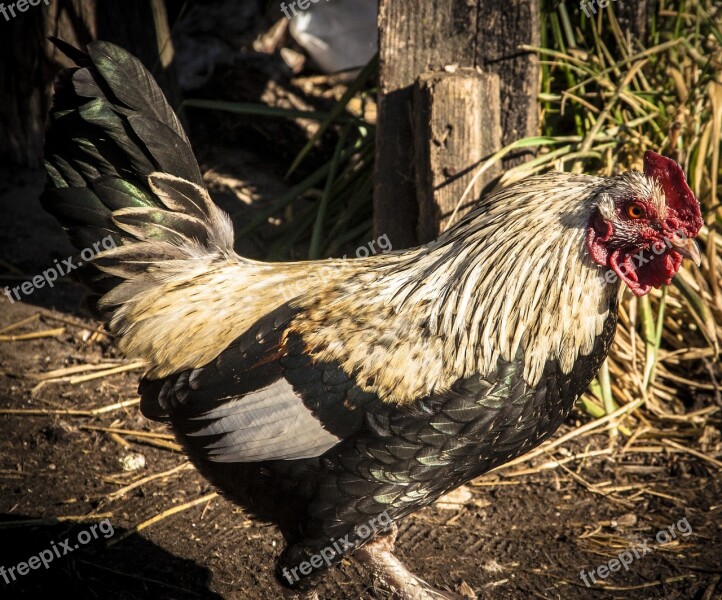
[{"x": 645, "y": 224}]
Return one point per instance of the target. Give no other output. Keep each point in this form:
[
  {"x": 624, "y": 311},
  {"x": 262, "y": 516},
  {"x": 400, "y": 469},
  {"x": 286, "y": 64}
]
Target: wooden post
[
  {"x": 503, "y": 26},
  {"x": 457, "y": 125},
  {"x": 418, "y": 36}
]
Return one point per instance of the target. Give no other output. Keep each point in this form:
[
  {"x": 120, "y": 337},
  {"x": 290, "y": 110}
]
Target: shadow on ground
[{"x": 135, "y": 568}]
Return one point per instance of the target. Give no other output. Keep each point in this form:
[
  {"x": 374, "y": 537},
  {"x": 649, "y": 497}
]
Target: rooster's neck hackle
[{"x": 513, "y": 279}]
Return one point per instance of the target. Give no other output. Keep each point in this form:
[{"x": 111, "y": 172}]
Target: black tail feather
[{"x": 110, "y": 128}]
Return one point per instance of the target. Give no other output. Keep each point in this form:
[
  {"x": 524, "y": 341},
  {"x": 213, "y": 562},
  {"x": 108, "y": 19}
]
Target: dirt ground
[{"x": 523, "y": 532}]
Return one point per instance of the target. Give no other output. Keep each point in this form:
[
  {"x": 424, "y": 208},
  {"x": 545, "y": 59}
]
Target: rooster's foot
[{"x": 390, "y": 573}]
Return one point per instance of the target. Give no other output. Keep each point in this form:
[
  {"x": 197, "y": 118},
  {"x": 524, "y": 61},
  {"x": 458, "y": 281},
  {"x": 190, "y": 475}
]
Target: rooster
[{"x": 382, "y": 385}]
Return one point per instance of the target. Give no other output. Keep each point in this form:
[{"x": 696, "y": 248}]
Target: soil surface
[{"x": 523, "y": 532}]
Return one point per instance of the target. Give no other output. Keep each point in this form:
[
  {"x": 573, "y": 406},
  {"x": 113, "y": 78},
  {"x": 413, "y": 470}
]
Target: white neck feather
[{"x": 527, "y": 286}]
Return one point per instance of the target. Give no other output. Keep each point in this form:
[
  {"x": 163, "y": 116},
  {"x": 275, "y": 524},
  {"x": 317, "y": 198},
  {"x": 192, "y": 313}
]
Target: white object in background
[
  {"x": 133, "y": 461},
  {"x": 338, "y": 34}
]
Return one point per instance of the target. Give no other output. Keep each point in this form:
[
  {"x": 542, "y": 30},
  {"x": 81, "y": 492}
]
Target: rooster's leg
[{"x": 390, "y": 573}]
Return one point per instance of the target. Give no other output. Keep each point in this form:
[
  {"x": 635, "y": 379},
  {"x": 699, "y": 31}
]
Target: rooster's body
[{"x": 393, "y": 380}]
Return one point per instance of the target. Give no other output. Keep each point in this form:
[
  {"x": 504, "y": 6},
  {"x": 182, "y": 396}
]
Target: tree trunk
[
  {"x": 504, "y": 26},
  {"x": 418, "y": 36}
]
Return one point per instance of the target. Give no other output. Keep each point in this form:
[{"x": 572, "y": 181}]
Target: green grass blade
[
  {"x": 361, "y": 79},
  {"x": 314, "y": 250},
  {"x": 258, "y": 110}
]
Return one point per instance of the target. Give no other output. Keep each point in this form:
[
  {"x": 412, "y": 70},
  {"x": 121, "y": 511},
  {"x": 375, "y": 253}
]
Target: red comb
[{"x": 678, "y": 196}]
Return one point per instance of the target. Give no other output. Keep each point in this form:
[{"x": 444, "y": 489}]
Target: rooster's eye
[{"x": 635, "y": 211}]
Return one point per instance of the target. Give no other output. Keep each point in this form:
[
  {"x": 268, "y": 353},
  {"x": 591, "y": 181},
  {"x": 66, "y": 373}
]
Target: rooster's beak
[{"x": 688, "y": 248}]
